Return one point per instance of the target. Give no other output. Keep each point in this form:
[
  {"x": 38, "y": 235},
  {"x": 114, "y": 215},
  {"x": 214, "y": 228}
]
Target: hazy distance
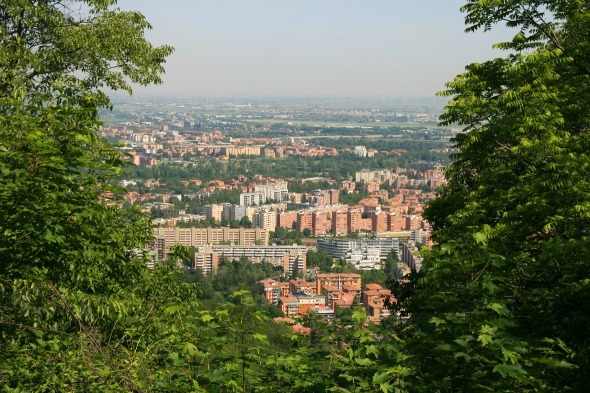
[{"x": 312, "y": 48}]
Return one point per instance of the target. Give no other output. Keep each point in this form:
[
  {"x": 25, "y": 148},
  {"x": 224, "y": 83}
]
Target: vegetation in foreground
[{"x": 500, "y": 305}]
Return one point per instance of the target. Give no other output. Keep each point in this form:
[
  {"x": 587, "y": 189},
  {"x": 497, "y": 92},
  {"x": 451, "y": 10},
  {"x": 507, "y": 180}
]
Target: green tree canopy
[
  {"x": 71, "y": 272},
  {"x": 506, "y": 291}
]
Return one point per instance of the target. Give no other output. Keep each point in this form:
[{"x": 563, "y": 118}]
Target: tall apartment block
[
  {"x": 194, "y": 237},
  {"x": 252, "y": 198},
  {"x": 213, "y": 211}
]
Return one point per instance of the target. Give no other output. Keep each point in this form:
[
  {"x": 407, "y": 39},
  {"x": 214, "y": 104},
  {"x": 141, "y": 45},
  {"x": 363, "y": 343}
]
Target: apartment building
[
  {"x": 373, "y": 299},
  {"x": 378, "y": 176},
  {"x": 287, "y": 219},
  {"x": 289, "y": 306},
  {"x": 299, "y": 286},
  {"x": 410, "y": 255},
  {"x": 339, "y": 223},
  {"x": 396, "y": 222},
  {"x": 233, "y": 212},
  {"x": 206, "y": 260},
  {"x": 194, "y": 237},
  {"x": 338, "y": 248},
  {"x": 319, "y": 223},
  {"x": 252, "y": 198},
  {"x": 337, "y": 280},
  {"x": 213, "y": 211},
  {"x": 379, "y": 221},
  {"x": 347, "y": 186},
  {"x": 304, "y": 221},
  {"x": 364, "y": 258},
  {"x": 323, "y": 197},
  {"x": 241, "y": 151},
  {"x": 290, "y": 258},
  {"x": 266, "y": 219},
  {"x": 271, "y": 290},
  {"x": 277, "y": 191}
]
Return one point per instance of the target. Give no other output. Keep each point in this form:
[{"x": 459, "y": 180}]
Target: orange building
[
  {"x": 372, "y": 187},
  {"x": 337, "y": 280},
  {"x": 270, "y": 289},
  {"x": 302, "y": 287},
  {"x": 319, "y": 222},
  {"x": 353, "y": 220},
  {"x": 413, "y": 222},
  {"x": 286, "y": 219},
  {"x": 373, "y": 299},
  {"x": 334, "y": 196},
  {"x": 379, "y": 222},
  {"x": 347, "y": 185},
  {"x": 339, "y": 223},
  {"x": 304, "y": 221},
  {"x": 395, "y": 222}
]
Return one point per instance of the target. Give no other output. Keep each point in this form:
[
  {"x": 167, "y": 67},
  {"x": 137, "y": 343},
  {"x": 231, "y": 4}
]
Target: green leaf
[
  {"x": 510, "y": 370},
  {"x": 499, "y": 308},
  {"x": 363, "y": 361}
]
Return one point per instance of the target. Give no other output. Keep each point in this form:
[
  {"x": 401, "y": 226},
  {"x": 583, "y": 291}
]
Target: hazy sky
[{"x": 319, "y": 48}]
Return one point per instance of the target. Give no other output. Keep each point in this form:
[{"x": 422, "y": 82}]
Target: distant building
[
  {"x": 304, "y": 221},
  {"x": 379, "y": 221},
  {"x": 411, "y": 256},
  {"x": 337, "y": 280},
  {"x": 360, "y": 151},
  {"x": 302, "y": 287},
  {"x": 347, "y": 185},
  {"x": 378, "y": 176},
  {"x": 289, "y": 305},
  {"x": 158, "y": 247},
  {"x": 270, "y": 289},
  {"x": 252, "y": 198},
  {"x": 339, "y": 223},
  {"x": 319, "y": 223},
  {"x": 310, "y": 302},
  {"x": 373, "y": 299},
  {"x": 340, "y": 248},
  {"x": 277, "y": 191},
  {"x": 234, "y": 212},
  {"x": 290, "y": 258},
  {"x": 206, "y": 260},
  {"x": 241, "y": 151},
  {"x": 287, "y": 219},
  {"x": 213, "y": 211},
  {"x": 266, "y": 219},
  {"x": 194, "y": 237},
  {"x": 364, "y": 258}
]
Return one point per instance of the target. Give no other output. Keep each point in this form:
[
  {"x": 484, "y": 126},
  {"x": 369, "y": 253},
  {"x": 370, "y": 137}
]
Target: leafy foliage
[
  {"x": 71, "y": 310},
  {"x": 502, "y": 295}
]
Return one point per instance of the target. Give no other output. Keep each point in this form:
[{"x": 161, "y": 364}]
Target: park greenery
[
  {"x": 341, "y": 167},
  {"x": 501, "y": 304}
]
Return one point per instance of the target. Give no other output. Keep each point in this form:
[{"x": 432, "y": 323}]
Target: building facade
[
  {"x": 290, "y": 258},
  {"x": 339, "y": 248},
  {"x": 194, "y": 237}
]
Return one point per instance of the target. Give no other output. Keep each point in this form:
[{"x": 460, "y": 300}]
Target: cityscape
[
  {"x": 357, "y": 219},
  {"x": 294, "y": 196}
]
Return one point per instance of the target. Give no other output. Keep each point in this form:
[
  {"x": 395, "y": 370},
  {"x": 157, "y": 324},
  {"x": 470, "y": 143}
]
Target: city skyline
[{"x": 331, "y": 48}]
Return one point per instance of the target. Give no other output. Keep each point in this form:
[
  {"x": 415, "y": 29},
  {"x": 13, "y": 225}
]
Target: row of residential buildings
[
  {"x": 212, "y": 244},
  {"x": 398, "y": 178},
  {"x": 328, "y": 293}
]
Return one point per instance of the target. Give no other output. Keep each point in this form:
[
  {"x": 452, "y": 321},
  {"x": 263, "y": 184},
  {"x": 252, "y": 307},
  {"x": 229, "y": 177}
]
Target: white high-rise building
[
  {"x": 265, "y": 219},
  {"x": 252, "y": 198},
  {"x": 277, "y": 191},
  {"x": 360, "y": 151}
]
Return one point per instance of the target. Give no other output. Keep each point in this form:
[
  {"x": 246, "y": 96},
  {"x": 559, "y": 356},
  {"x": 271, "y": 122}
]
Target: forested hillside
[{"x": 502, "y": 302}]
